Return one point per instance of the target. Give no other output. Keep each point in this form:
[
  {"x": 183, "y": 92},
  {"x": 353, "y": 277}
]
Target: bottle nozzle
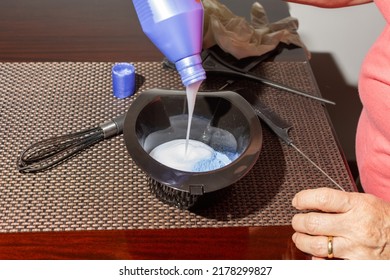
[{"x": 191, "y": 69}]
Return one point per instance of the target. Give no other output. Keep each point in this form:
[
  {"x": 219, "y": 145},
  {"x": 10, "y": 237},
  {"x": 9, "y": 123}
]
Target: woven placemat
[{"x": 103, "y": 189}]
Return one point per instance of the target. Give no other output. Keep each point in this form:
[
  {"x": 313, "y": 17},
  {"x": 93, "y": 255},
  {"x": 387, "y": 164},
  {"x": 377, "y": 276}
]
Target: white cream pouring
[
  {"x": 191, "y": 92},
  {"x": 187, "y": 154}
]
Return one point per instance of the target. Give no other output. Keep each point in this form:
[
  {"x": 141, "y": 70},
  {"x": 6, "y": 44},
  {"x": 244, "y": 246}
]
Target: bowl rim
[{"x": 193, "y": 182}]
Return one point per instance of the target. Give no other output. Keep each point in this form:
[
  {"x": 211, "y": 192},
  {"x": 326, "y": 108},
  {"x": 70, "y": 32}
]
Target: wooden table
[{"x": 93, "y": 30}]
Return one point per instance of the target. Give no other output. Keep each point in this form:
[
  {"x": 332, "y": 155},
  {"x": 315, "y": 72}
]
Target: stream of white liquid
[
  {"x": 192, "y": 155},
  {"x": 191, "y": 92}
]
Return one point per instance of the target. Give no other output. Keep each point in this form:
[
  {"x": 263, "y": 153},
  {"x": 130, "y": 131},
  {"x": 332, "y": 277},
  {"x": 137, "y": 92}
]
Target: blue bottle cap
[{"x": 123, "y": 79}]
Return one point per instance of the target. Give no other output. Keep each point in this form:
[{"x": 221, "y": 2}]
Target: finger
[
  {"x": 319, "y": 224},
  {"x": 317, "y": 246},
  {"x": 317, "y": 258},
  {"x": 324, "y": 199}
]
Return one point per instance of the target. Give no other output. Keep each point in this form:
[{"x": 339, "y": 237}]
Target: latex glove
[
  {"x": 360, "y": 224},
  {"x": 236, "y": 36}
]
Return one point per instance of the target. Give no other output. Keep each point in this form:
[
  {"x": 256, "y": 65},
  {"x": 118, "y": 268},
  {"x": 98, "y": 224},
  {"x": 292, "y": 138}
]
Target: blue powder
[{"x": 217, "y": 160}]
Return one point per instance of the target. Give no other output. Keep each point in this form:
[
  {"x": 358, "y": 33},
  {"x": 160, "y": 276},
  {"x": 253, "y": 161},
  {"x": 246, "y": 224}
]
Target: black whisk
[{"x": 50, "y": 152}]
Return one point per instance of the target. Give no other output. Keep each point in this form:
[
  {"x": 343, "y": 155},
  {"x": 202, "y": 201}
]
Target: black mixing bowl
[{"x": 223, "y": 120}]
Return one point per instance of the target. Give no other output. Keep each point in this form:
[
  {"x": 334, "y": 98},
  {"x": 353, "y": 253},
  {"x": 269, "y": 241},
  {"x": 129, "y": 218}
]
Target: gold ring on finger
[{"x": 330, "y": 247}]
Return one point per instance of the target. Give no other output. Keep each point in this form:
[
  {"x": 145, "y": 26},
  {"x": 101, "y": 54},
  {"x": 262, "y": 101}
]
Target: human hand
[{"x": 359, "y": 224}]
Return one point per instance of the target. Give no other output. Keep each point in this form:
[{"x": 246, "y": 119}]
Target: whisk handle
[{"x": 113, "y": 127}]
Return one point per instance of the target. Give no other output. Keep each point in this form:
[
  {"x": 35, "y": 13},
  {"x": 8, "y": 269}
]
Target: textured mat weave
[{"x": 101, "y": 188}]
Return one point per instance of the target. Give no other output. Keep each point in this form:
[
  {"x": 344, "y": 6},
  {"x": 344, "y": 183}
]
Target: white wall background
[
  {"x": 345, "y": 33},
  {"x": 339, "y": 39}
]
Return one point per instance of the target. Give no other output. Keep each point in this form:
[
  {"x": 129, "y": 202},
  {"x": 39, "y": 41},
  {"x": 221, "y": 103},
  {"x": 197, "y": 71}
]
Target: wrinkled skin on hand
[{"x": 360, "y": 224}]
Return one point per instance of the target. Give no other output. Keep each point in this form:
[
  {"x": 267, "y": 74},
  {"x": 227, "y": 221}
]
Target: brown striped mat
[{"x": 103, "y": 189}]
